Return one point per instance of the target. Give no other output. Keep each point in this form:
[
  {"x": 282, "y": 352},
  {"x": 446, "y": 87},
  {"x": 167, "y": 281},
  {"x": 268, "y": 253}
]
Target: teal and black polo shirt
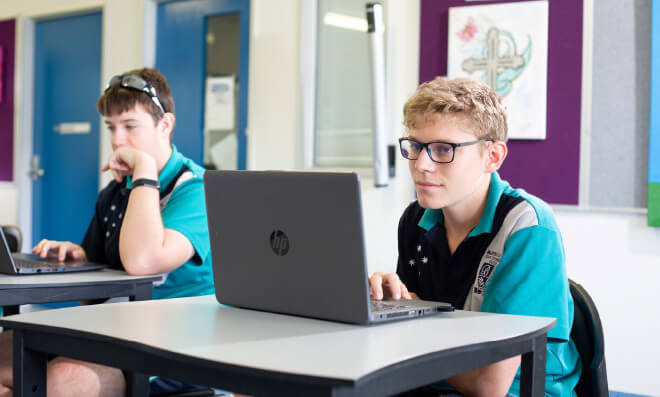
[
  {"x": 512, "y": 262},
  {"x": 183, "y": 209}
]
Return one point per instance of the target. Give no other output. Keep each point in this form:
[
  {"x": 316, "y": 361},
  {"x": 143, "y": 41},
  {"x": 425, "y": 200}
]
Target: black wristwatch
[{"x": 146, "y": 182}]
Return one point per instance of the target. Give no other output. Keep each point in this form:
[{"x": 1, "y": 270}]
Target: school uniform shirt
[
  {"x": 183, "y": 209},
  {"x": 512, "y": 262}
]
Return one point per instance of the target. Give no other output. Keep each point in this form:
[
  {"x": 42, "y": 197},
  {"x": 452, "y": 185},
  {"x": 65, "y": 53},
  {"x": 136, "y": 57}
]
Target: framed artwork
[{"x": 506, "y": 46}]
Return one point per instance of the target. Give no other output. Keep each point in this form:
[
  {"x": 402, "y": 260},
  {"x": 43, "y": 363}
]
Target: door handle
[{"x": 35, "y": 171}]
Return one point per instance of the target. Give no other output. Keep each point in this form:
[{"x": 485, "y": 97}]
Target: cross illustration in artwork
[{"x": 493, "y": 61}]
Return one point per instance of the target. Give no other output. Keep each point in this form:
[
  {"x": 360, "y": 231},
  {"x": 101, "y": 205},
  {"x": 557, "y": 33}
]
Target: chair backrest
[
  {"x": 587, "y": 333},
  {"x": 13, "y": 236}
]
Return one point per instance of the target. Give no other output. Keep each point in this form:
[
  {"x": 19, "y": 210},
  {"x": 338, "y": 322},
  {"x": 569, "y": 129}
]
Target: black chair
[
  {"x": 14, "y": 240},
  {"x": 162, "y": 387},
  {"x": 587, "y": 333},
  {"x": 13, "y": 236}
]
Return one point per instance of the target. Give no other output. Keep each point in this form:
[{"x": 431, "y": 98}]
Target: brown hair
[
  {"x": 477, "y": 102},
  {"x": 117, "y": 99}
]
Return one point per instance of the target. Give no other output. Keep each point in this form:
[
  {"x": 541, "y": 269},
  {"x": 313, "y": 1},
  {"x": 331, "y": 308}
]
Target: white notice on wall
[
  {"x": 219, "y": 110},
  {"x": 73, "y": 128},
  {"x": 224, "y": 152}
]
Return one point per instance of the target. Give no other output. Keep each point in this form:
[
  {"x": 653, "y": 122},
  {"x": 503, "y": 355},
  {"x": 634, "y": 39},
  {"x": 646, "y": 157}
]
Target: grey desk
[
  {"x": 45, "y": 288},
  {"x": 199, "y": 341}
]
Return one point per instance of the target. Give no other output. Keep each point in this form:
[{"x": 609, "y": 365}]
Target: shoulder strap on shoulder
[{"x": 183, "y": 175}]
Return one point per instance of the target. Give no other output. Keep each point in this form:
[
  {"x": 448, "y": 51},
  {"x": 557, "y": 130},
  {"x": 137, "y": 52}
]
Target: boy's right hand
[
  {"x": 388, "y": 285},
  {"x": 62, "y": 250}
]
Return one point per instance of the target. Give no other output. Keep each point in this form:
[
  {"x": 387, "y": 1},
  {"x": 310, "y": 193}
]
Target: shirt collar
[
  {"x": 431, "y": 217},
  {"x": 168, "y": 173}
]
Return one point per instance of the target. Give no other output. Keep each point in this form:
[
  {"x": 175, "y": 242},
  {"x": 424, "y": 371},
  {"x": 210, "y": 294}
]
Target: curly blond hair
[{"x": 480, "y": 105}]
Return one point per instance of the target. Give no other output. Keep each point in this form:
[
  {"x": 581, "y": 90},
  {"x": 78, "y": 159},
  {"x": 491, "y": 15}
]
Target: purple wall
[
  {"x": 547, "y": 168},
  {"x": 7, "y": 41}
]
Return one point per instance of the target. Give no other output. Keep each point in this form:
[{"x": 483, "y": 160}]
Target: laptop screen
[{"x": 288, "y": 242}]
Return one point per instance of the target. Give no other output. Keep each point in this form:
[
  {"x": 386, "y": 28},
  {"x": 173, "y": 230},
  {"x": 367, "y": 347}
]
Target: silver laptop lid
[
  {"x": 6, "y": 260},
  {"x": 288, "y": 242},
  {"x": 23, "y": 263}
]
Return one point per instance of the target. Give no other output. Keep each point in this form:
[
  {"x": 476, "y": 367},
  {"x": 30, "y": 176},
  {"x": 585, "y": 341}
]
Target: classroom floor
[{"x": 622, "y": 394}]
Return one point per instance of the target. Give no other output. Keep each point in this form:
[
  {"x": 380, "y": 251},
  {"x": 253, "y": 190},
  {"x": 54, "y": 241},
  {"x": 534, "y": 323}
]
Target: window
[{"x": 341, "y": 98}]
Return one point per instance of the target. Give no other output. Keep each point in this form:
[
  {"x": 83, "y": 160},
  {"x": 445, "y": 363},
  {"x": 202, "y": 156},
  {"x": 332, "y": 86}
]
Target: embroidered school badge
[{"x": 484, "y": 274}]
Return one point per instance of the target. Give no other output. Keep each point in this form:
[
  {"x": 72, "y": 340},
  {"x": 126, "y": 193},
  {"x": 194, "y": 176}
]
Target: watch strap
[{"x": 146, "y": 182}]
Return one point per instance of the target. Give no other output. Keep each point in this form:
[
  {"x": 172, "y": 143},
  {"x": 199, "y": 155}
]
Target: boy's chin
[{"x": 430, "y": 203}]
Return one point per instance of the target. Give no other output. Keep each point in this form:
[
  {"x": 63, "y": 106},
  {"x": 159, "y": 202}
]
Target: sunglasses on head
[{"x": 137, "y": 83}]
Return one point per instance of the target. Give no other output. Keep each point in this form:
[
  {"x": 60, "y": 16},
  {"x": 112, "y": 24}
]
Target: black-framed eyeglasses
[
  {"x": 440, "y": 152},
  {"x": 137, "y": 83}
]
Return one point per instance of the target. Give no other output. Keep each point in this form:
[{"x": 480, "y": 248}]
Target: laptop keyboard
[
  {"x": 384, "y": 306},
  {"x": 27, "y": 263}
]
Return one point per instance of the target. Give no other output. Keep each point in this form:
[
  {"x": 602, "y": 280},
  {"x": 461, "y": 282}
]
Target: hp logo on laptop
[{"x": 279, "y": 242}]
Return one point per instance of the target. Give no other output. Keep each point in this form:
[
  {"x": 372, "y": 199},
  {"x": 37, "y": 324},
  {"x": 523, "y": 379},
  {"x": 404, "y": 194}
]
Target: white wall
[
  {"x": 274, "y": 119},
  {"x": 614, "y": 255}
]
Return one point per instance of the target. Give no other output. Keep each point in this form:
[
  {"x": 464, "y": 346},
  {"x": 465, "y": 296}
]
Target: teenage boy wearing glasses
[
  {"x": 472, "y": 240},
  {"x": 150, "y": 219}
]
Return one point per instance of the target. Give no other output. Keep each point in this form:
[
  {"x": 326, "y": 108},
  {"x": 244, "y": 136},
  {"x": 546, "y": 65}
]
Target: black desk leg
[
  {"x": 142, "y": 292},
  {"x": 10, "y": 310},
  {"x": 29, "y": 369},
  {"x": 137, "y": 384},
  {"x": 532, "y": 373}
]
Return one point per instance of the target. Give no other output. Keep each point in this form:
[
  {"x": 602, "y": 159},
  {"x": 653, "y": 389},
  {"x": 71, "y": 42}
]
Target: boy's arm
[
  {"x": 145, "y": 245},
  {"x": 492, "y": 380},
  {"x": 529, "y": 280}
]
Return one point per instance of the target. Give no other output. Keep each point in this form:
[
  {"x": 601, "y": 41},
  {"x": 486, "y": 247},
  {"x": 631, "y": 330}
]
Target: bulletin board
[
  {"x": 618, "y": 164},
  {"x": 548, "y": 168},
  {"x": 654, "y": 128},
  {"x": 7, "y": 43}
]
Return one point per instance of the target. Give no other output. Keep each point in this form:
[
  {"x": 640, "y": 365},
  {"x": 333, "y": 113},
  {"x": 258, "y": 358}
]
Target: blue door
[
  {"x": 67, "y": 83},
  {"x": 181, "y": 56}
]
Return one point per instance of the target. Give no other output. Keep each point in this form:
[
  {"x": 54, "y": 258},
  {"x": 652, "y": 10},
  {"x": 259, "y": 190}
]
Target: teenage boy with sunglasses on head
[
  {"x": 150, "y": 219},
  {"x": 472, "y": 240}
]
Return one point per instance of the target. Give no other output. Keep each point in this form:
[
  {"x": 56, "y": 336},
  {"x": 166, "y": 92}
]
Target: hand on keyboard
[
  {"x": 60, "y": 250},
  {"x": 388, "y": 286}
]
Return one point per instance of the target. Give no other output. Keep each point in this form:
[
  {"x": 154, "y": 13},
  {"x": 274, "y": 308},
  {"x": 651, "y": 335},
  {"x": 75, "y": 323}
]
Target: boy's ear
[
  {"x": 166, "y": 123},
  {"x": 496, "y": 154}
]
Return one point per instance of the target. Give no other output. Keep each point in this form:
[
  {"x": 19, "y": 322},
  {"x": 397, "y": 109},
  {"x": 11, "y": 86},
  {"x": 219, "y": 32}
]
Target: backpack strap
[{"x": 183, "y": 175}]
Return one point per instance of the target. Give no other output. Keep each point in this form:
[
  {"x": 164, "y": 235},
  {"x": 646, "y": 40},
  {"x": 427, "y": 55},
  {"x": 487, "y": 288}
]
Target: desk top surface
[
  {"x": 69, "y": 278},
  {"x": 201, "y": 328}
]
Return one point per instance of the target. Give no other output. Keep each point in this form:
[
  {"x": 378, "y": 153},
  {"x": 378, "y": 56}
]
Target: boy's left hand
[{"x": 125, "y": 161}]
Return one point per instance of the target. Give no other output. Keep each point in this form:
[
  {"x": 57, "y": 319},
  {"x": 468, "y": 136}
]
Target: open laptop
[
  {"x": 292, "y": 242},
  {"x": 33, "y": 264}
]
